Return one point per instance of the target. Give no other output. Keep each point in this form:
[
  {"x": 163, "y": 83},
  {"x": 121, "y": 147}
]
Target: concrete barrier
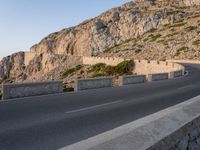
[
  {"x": 30, "y": 89},
  {"x": 157, "y": 77},
  {"x": 125, "y": 80},
  {"x": 176, "y": 74},
  {"x": 175, "y": 128},
  {"x": 93, "y": 83}
]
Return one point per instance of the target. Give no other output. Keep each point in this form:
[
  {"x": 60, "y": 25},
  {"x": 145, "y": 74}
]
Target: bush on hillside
[
  {"x": 110, "y": 70},
  {"x": 183, "y": 49},
  {"x": 95, "y": 75},
  {"x": 124, "y": 67},
  {"x": 98, "y": 67},
  {"x": 70, "y": 71},
  {"x": 196, "y": 43},
  {"x": 67, "y": 88},
  {"x": 191, "y": 28}
]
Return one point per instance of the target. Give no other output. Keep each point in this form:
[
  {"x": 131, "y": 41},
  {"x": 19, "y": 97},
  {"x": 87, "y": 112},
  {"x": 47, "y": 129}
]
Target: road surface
[{"x": 55, "y": 121}]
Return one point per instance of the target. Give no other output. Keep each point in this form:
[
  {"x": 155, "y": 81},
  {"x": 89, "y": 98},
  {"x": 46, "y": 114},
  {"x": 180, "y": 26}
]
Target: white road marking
[
  {"x": 93, "y": 107},
  {"x": 187, "y": 86}
]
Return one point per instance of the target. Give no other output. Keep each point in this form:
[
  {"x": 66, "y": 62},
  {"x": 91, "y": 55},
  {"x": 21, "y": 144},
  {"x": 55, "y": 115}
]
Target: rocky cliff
[
  {"x": 107, "y": 34},
  {"x": 114, "y": 27}
]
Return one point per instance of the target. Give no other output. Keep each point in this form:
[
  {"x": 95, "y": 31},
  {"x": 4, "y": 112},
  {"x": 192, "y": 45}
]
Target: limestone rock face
[
  {"x": 12, "y": 66},
  {"x": 95, "y": 36},
  {"x": 110, "y": 28},
  {"x": 191, "y": 2}
]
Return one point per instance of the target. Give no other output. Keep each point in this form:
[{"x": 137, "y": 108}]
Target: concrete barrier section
[
  {"x": 175, "y": 128},
  {"x": 31, "y": 89},
  {"x": 94, "y": 83},
  {"x": 157, "y": 77},
  {"x": 126, "y": 80},
  {"x": 176, "y": 74}
]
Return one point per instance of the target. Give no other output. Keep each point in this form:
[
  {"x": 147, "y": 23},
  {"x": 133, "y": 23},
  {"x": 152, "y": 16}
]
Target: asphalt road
[{"x": 55, "y": 121}]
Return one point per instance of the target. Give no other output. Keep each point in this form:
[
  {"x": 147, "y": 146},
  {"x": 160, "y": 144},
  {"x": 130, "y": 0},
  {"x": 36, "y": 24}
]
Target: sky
[{"x": 24, "y": 23}]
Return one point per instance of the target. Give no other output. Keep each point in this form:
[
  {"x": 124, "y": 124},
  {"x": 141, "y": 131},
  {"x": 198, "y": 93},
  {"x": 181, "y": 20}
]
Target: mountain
[{"x": 140, "y": 29}]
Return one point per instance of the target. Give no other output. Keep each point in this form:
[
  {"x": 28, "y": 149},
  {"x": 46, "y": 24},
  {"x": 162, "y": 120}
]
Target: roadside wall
[
  {"x": 152, "y": 67},
  {"x": 94, "y": 83},
  {"x": 158, "y": 76},
  {"x": 175, "y": 128},
  {"x": 30, "y": 89},
  {"x": 107, "y": 60},
  {"x": 185, "y": 61},
  {"x": 131, "y": 79},
  {"x": 142, "y": 67}
]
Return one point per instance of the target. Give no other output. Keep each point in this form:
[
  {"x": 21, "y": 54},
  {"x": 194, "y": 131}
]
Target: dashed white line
[
  {"x": 186, "y": 87},
  {"x": 93, "y": 107}
]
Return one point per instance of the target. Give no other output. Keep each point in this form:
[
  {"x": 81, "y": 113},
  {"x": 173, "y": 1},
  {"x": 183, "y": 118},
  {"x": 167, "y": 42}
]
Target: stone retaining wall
[
  {"x": 142, "y": 67},
  {"x": 107, "y": 60},
  {"x": 30, "y": 89},
  {"x": 153, "y": 67},
  {"x": 175, "y": 128},
  {"x": 185, "y": 61}
]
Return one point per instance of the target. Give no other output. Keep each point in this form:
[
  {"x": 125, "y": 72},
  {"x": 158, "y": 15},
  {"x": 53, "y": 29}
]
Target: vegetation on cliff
[{"x": 98, "y": 70}]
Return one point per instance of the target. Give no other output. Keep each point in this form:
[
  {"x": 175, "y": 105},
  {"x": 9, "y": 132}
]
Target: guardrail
[
  {"x": 174, "y": 128},
  {"x": 19, "y": 90},
  {"x": 42, "y": 88},
  {"x": 157, "y": 77},
  {"x": 93, "y": 83},
  {"x": 132, "y": 79}
]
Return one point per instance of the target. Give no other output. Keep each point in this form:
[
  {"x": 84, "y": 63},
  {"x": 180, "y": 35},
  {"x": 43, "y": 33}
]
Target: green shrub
[
  {"x": 172, "y": 12},
  {"x": 196, "y": 43},
  {"x": 145, "y": 40},
  {"x": 138, "y": 51},
  {"x": 183, "y": 49},
  {"x": 9, "y": 80},
  {"x": 178, "y": 24},
  {"x": 155, "y": 37},
  {"x": 109, "y": 70},
  {"x": 180, "y": 21},
  {"x": 67, "y": 88},
  {"x": 97, "y": 75},
  {"x": 191, "y": 28},
  {"x": 173, "y": 30},
  {"x": 98, "y": 67},
  {"x": 152, "y": 30},
  {"x": 172, "y": 34},
  {"x": 124, "y": 67},
  {"x": 78, "y": 67},
  {"x": 70, "y": 71}
]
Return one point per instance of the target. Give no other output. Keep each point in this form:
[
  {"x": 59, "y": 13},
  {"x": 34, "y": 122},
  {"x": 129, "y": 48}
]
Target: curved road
[{"x": 55, "y": 121}]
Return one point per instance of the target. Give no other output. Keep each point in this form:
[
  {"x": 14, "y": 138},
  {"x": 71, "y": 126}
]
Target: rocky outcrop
[
  {"x": 12, "y": 66},
  {"x": 95, "y": 36},
  {"x": 191, "y": 2},
  {"x": 112, "y": 27}
]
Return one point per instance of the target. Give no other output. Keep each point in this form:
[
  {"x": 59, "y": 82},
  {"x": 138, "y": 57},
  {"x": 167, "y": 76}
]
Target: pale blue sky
[{"x": 25, "y": 22}]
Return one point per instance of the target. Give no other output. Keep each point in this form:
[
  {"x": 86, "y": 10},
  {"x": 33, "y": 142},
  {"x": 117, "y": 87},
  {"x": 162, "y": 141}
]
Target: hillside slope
[{"x": 145, "y": 29}]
